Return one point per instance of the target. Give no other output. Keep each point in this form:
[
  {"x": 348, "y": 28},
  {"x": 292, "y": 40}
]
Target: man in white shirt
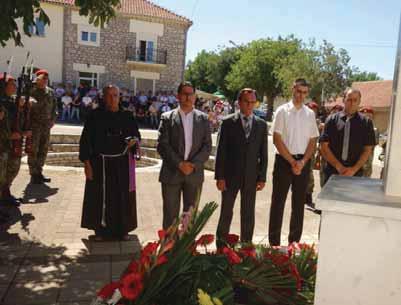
[
  {"x": 184, "y": 144},
  {"x": 294, "y": 135},
  {"x": 66, "y": 100}
]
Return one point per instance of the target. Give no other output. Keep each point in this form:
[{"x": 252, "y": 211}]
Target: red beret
[
  {"x": 313, "y": 105},
  {"x": 42, "y": 71},
  {"x": 366, "y": 109},
  {"x": 8, "y": 77}
]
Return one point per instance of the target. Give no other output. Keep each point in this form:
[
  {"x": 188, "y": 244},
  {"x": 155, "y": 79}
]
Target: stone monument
[{"x": 360, "y": 239}]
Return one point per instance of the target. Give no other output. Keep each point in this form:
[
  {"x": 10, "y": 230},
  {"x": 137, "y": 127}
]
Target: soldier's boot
[
  {"x": 45, "y": 179},
  {"x": 36, "y": 179}
]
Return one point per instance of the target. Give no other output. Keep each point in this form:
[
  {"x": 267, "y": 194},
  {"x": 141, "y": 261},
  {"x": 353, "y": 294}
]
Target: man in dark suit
[
  {"x": 241, "y": 165},
  {"x": 184, "y": 145}
]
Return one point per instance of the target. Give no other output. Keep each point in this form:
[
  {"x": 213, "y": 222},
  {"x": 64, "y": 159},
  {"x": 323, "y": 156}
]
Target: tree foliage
[
  {"x": 271, "y": 65},
  {"x": 98, "y": 11}
]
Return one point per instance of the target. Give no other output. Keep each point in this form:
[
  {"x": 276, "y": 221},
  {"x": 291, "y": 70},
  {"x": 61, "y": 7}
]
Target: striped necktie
[
  {"x": 247, "y": 126},
  {"x": 347, "y": 133}
]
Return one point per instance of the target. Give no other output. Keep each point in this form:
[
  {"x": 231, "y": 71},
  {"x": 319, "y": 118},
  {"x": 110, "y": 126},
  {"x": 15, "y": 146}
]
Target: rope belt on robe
[{"x": 131, "y": 171}]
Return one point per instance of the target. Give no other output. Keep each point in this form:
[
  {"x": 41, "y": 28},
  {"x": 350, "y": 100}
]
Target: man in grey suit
[
  {"x": 241, "y": 165},
  {"x": 184, "y": 145}
]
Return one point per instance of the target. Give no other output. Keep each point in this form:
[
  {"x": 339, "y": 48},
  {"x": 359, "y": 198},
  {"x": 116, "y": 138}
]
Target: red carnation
[
  {"x": 232, "y": 239},
  {"x": 150, "y": 249},
  {"x": 131, "y": 286},
  {"x": 248, "y": 252},
  {"x": 205, "y": 239},
  {"x": 162, "y": 234},
  {"x": 107, "y": 291},
  {"x": 232, "y": 256},
  {"x": 161, "y": 260},
  {"x": 133, "y": 267}
]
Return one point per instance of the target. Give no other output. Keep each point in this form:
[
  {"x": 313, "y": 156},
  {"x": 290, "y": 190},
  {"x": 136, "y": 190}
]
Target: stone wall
[
  {"x": 112, "y": 53},
  {"x": 174, "y": 41}
]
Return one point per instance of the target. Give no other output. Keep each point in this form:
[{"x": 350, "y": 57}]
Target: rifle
[{"x": 24, "y": 83}]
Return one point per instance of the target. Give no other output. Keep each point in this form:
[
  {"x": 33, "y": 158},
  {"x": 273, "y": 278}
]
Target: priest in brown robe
[{"x": 107, "y": 148}]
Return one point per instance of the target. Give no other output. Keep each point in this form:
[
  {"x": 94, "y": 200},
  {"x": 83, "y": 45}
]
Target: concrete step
[{"x": 64, "y": 147}]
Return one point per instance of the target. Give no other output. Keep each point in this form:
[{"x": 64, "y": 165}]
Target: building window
[
  {"x": 93, "y": 37},
  {"x": 89, "y": 79},
  {"x": 146, "y": 50},
  {"x": 88, "y": 35},
  {"x": 38, "y": 29}
]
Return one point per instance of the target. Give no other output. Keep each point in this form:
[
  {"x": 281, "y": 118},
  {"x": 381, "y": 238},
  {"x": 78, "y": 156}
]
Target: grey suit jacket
[{"x": 171, "y": 147}]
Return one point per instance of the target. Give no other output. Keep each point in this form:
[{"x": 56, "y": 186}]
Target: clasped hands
[
  {"x": 297, "y": 166},
  {"x": 346, "y": 171},
  {"x": 186, "y": 167}
]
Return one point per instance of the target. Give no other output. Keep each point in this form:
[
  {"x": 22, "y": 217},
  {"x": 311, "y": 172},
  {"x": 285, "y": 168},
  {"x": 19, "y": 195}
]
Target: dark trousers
[
  {"x": 171, "y": 194},
  {"x": 283, "y": 178},
  {"x": 248, "y": 196}
]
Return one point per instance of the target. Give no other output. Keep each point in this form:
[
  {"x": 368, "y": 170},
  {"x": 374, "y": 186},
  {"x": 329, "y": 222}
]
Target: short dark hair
[
  {"x": 301, "y": 82},
  {"x": 185, "y": 84}
]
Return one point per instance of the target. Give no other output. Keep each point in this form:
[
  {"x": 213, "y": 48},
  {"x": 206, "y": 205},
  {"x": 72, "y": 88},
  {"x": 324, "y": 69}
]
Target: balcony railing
[{"x": 151, "y": 56}]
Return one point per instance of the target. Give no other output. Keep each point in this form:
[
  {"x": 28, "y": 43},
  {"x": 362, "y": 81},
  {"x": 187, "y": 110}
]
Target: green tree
[
  {"x": 99, "y": 12},
  {"x": 200, "y": 72},
  {"x": 364, "y": 76},
  {"x": 259, "y": 67}
]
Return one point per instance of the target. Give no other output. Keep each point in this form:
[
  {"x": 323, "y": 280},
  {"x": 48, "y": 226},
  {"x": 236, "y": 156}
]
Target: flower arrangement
[{"x": 179, "y": 269}]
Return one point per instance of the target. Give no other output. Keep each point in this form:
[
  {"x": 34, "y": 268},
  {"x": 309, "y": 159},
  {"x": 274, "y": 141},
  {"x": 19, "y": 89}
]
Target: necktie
[
  {"x": 247, "y": 126},
  {"x": 347, "y": 132}
]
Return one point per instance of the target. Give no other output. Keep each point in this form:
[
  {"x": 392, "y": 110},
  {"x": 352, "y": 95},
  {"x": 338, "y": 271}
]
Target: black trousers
[
  {"x": 171, "y": 194},
  {"x": 283, "y": 178},
  {"x": 248, "y": 197}
]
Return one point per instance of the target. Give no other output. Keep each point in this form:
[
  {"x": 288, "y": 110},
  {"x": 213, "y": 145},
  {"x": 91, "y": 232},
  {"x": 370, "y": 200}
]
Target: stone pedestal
[{"x": 360, "y": 244}]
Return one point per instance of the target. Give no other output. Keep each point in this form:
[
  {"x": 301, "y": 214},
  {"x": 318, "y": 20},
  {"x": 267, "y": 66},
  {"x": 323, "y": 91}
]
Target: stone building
[{"x": 142, "y": 48}]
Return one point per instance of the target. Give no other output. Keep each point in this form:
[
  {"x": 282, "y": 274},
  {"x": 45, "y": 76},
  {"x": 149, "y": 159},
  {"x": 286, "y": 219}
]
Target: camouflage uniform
[
  {"x": 6, "y": 105},
  {"x": 5, "y": 145},
  {"x": 43, "y": 113},
  {"x": 367, "y": 168},
  {"x": 13, "y": 163}
]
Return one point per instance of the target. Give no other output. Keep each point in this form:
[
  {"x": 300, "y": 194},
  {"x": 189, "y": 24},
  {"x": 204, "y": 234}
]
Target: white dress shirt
[
  {"x": 188, "y": 124},
  {"x": 296, "y": 127}
]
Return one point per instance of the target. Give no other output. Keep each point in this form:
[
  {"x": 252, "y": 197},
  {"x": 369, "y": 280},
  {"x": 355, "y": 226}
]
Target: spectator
[
  {"x": 172, "y": 100},
  {"x": 66, "y": 100},
  {"x": 153, "y": 116},
  {"x": 75, "y": 109},
  {"x": 142, "y": 99}
]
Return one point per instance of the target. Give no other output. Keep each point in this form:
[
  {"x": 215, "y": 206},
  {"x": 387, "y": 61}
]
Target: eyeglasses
[{"x": 302, "y": 91}]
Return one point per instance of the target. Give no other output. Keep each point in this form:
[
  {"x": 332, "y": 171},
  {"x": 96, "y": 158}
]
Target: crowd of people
[
  {"x": 74, "y": 104},
  {"x": 304, "y": 139}
]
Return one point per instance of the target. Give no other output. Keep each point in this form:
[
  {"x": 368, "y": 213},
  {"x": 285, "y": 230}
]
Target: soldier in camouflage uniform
[
  {"x": 10, "y": 163},
  {"x": 43, "y": 117},
  {"x": 368, "y": 166}
]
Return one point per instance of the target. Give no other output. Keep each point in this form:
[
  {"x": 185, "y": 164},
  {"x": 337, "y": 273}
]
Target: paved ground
[{"x": 46, "y": 258}]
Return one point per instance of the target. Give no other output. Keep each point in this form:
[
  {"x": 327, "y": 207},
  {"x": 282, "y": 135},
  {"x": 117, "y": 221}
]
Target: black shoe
[
  {"x": 45, "y": 179},
  {"x": 36, "y": 179}
]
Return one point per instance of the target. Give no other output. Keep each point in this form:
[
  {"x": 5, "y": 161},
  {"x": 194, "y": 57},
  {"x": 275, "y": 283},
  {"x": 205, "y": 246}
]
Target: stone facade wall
[
  {"x": 112, "y": 53},
  {"x": 174, "y": 41}
]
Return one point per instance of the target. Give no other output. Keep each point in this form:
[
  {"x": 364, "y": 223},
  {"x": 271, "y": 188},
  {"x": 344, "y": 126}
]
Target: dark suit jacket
[
  {"x": 240, "y": 161},
  {"x": 171, "y": 147}
]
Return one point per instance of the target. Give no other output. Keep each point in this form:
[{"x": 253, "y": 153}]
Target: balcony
[{"x": 152, "y": 59}]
